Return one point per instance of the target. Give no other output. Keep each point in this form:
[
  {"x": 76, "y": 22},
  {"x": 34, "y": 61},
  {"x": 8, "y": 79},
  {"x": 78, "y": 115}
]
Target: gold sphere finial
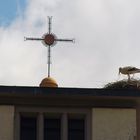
[{"x": 48, "y": 82}]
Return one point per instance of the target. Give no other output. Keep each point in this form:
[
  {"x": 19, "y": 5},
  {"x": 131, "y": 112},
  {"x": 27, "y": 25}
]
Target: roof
[{"x": 79, "y": 97}]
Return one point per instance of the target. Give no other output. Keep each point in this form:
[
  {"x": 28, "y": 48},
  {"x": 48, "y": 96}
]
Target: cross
[{"x": 49, "y": 39}]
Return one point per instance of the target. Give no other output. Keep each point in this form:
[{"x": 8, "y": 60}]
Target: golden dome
[{"x": 48, "y": 82}]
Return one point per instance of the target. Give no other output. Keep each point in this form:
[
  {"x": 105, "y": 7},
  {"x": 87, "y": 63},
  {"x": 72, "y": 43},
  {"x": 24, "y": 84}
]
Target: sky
[{"x": 106, "y": 32}]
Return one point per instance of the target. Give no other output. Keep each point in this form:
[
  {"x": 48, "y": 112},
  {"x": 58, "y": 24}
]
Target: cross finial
[{"x": 49, "y": 39}]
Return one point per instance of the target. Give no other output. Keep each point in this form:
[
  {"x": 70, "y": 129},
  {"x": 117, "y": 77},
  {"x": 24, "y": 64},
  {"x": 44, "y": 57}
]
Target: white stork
[{"x": 129, "y": 70}]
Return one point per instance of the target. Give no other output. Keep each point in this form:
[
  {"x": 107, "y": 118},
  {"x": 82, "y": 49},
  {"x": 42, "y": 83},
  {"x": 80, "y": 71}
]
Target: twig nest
[{"x": 124, "y": 84}]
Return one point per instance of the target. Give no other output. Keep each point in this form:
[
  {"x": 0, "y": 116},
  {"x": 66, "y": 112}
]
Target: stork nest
[{"x": 124, "y": 84}]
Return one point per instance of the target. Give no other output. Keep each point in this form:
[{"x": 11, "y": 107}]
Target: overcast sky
[{"x": 106, "y": 32}]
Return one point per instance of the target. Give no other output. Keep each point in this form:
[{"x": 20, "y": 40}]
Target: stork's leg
[
  {"x": 133, "y": 76},
  {"x": 128, "y": 77}
]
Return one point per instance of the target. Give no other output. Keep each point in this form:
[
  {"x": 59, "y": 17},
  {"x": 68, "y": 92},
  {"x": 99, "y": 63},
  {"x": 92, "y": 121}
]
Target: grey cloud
[{"x": 106, "y": 33}]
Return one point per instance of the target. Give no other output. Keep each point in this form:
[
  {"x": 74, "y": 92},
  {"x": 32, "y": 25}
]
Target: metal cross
[{"x": 49, "y": 39}]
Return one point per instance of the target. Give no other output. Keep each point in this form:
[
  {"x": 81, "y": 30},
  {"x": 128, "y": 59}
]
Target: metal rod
[
  {"x": 49, "y": 60},
  {"x": 67, "y": 40},
  {"x": 50, "y": 19},
  {"x": 30, "y": 38}
]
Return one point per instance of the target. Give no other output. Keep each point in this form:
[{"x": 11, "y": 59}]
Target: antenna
[{"x": 49, "y": 40}]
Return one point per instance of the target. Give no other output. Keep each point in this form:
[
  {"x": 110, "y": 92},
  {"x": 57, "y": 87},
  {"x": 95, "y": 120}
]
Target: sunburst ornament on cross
[{"x": 49, "y": 40}]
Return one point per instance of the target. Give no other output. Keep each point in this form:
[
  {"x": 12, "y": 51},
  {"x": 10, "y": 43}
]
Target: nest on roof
[{"x": 124, "y": 84}]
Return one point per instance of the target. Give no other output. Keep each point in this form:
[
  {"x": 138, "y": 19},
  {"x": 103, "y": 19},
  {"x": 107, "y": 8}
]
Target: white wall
[
  {"x": 113, "y": 124},
  {"x": 6, "y": 122}
]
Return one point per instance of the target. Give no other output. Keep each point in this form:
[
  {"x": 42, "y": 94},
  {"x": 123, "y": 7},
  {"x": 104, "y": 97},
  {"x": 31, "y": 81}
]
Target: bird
[{"x": 128, "y": 70}]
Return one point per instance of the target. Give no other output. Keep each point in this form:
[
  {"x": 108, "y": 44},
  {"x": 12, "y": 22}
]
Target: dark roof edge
[
  {"x": 24, "y": 90},
  {"x": 68, "y": 97}
]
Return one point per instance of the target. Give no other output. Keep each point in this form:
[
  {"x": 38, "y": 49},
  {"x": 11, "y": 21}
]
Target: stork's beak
[{"x": 119, "y": 71}]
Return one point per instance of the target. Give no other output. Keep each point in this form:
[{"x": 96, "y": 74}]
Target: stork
[{"x": 128, "y": 71}]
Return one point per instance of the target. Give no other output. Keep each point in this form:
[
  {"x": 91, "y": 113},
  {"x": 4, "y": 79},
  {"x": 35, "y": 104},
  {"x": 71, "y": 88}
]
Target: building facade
[{"x": 37, "y": 113}]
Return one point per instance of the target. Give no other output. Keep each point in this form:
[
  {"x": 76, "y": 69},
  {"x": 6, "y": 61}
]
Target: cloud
[{"x": 106, "y": 33}]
